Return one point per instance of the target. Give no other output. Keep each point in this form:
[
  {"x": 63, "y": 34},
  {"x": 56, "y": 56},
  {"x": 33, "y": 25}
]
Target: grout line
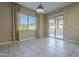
[
  {"x": 73, "y": 52},
  {"x": 8, "y": 49},
  {"x": 37, "y": 52},
  {"x": 21, "y": 50},
  {"x": 32, "y": 50}
]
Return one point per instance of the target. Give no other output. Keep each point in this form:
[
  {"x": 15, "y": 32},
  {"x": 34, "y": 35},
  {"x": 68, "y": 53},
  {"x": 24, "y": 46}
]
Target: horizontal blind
[{"x": 27, "y": 11}]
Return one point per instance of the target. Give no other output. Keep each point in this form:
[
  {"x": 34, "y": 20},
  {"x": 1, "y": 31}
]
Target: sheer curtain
[{"x": 15, "y": 11}]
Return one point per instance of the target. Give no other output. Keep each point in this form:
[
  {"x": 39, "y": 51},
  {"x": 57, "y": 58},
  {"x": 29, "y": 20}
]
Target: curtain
[
  {"x": 15, "y": 16},
  {"x": 37, "y": 26}
]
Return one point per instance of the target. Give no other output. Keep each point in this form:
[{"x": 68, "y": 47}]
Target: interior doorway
[{"x": 56, "y": 27}]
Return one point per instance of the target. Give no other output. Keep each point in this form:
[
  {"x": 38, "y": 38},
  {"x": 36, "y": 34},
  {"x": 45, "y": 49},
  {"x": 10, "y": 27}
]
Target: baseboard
[
  {"x": 72, "y": 41},
  {"x": 4, "y": 43},
  {"x": 10, "y": 42},
  {"x": 27, "y": 39},
  {"x": 41, "y": 36}
]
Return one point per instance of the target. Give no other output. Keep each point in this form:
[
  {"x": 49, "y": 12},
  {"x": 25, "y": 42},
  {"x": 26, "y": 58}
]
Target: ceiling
[{"x": 48, "y": 6}]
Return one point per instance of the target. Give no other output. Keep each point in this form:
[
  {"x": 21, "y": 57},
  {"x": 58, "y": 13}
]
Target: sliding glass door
[
  {"x": 56, "y": 27},
  {"x": 52, "y": 27},
  {"x": 59, "y": 27}
]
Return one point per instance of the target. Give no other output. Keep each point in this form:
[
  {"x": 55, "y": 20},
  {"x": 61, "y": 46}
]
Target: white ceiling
[{"x": 48, "y": 6}]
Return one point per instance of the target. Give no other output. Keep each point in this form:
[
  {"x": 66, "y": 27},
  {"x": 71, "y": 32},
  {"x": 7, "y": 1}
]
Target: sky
[{"x": 23, "y": 19}]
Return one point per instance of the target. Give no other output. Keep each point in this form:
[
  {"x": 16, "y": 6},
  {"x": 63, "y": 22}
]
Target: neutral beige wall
[
  {"x": 41, "y": 25},
  {"x": 71, "y": 21},
  {"x": 5, "y": 22},
  {"x": 26, "y": 34}
]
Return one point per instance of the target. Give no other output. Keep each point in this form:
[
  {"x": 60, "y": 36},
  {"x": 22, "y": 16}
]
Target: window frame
[{"x": 27, "y": 22}]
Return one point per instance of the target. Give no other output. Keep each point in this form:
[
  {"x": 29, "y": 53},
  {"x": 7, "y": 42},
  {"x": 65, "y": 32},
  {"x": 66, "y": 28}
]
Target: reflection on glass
[
  {"x": 59, "y": 27},
  {"x": 52, "y": 27},
  {"x": 56, "y": 27}
]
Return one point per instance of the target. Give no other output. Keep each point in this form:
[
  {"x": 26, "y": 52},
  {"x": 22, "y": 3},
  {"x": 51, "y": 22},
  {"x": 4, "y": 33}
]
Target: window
[
  {"x": 27, "y": 22},
  {"x": 32, "y": 22},
  {"x": 23, "y": 22}
]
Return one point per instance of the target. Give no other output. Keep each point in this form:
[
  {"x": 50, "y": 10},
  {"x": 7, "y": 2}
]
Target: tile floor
[{"x": 44, "y": 47}]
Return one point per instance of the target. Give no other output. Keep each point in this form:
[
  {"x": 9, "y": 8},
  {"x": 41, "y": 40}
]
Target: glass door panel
[
  {"x": 52, "y": 27},
  {"x": 59, "y": 27}
]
